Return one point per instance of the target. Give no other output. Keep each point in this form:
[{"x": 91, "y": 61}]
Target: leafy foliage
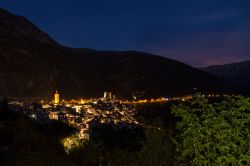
[
  {"x": 157, "y": 148},
  {"x": 72, "y": 142},
  {"x": 213, "y": 133}
]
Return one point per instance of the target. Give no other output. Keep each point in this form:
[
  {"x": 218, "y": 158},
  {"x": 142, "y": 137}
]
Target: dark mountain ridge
[
  {"x": 21, "y": 29},
  {"x": 236, "y": 73},
  {"x": 33, "y": 65}
]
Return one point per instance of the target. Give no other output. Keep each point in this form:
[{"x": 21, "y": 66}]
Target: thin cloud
[{"x": 217, "y": 16}]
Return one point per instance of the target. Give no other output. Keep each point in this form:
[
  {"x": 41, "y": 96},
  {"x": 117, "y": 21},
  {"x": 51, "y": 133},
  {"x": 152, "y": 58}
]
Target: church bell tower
[{"x": 56, "y": 98}]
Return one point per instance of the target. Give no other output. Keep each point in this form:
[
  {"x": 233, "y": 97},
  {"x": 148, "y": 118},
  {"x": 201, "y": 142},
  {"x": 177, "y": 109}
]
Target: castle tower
[{"x": 56, "y": 98}]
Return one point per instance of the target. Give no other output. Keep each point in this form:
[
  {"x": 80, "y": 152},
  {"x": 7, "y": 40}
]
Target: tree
[
  {"x": 213, "y": 133},
  {"x": 157, "y": 148}
]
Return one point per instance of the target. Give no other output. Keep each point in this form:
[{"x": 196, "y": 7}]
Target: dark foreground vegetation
[{"x": 197, "y": 132}]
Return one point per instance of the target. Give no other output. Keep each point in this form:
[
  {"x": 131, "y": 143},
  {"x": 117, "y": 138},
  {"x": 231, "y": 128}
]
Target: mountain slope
[
  {"x": 34, "y": 65},
  {"x": 237, "y": 73}
]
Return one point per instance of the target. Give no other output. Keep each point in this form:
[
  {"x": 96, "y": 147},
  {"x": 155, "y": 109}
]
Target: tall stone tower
[{"x": 56, "y": 98}]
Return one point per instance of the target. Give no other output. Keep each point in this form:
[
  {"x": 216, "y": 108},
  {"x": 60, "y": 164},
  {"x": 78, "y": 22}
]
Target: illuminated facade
[
  {"x": 107, "y": 96},
  {"x": 56, "y": 98},
  {"x": 53, "y": 115}
]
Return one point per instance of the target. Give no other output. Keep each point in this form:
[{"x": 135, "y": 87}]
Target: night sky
[{"x": 197, "y": 32}]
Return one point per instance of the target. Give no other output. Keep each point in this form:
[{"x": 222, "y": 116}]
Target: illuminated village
[
  {"x": 84, "y": 113},
  {"x": 81, "y": 114}
]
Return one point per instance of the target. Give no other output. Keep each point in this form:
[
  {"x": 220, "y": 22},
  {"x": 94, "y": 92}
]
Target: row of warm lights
[
  {"x": 158, "y": 100},
  {"x": 146, "y": 101},
  {"x": 85, "y": 101}
]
